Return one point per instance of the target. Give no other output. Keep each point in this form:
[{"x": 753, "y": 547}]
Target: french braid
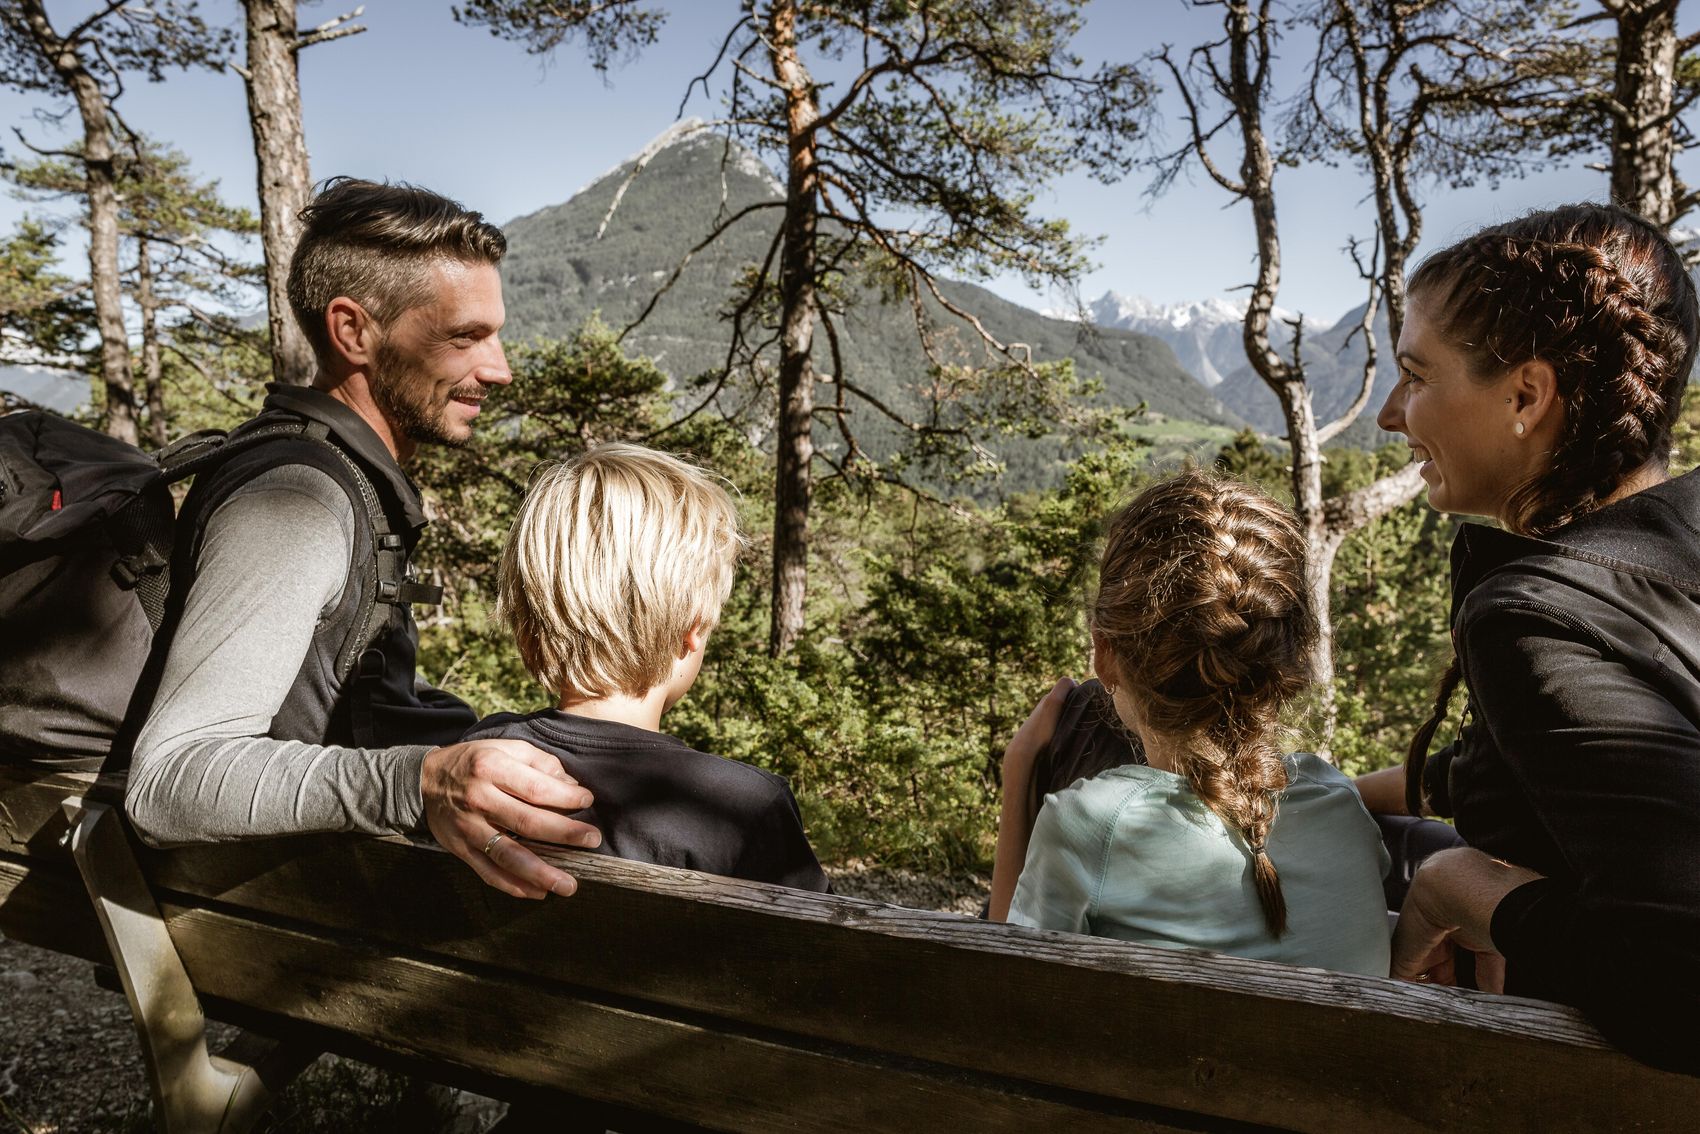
[
  {"x": 1202, "y": 600},
  {"x": 1602, "y": 296}
]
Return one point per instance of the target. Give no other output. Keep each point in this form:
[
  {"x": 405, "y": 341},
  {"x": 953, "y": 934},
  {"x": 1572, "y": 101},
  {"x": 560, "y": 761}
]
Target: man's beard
[{"x": 405, "y": 397}]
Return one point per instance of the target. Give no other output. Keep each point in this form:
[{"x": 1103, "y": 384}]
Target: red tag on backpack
[{"x": 58, "y": 501}]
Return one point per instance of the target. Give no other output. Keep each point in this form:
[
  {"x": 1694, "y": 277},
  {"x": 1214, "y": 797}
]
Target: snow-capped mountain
[
  {"x": 1205, "y": 334},
  {"x": 1207, "y": 338}
]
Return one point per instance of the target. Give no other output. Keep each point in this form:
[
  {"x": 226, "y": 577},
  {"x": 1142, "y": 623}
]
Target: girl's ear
[{"x": 1104, "y": 662}]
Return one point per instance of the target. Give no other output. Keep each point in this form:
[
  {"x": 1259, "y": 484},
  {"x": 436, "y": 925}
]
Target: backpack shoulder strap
[{"x": 384, "y": 577}]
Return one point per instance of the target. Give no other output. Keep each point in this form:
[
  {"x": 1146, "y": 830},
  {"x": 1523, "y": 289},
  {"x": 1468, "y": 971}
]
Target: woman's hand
[
  {"x": 1451, "y": 906},
  {"x": 1015, "y": 821}
]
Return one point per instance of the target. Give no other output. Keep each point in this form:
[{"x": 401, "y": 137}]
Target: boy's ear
[{"x": 696, "y": 639}]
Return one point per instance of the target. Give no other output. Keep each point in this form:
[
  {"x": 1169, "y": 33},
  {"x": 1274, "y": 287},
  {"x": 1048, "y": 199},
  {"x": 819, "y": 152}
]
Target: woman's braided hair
[
  {"x": 1203, "y": 602},
  {"x": 1602, "y": 296}
]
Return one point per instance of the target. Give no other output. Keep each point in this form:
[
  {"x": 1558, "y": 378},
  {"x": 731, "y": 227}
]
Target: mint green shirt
[{"x": 1133, "y": 854}]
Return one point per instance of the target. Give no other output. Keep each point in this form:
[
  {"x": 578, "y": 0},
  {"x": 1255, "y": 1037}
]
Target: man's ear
[
  {"x": 1534, "y": 395},
  {"x": 354, "y": 335}
]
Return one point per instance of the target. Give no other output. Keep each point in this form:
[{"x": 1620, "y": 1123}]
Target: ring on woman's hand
[{"x": 494, "y": 839}]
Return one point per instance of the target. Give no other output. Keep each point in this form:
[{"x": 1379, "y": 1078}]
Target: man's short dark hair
[{"x": 372, "y": 242}]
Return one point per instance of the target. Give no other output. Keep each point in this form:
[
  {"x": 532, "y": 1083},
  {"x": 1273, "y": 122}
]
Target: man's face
[{"x": 437, "y": 361}]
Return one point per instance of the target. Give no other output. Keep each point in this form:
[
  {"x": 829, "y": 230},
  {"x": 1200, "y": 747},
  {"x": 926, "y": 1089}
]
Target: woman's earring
[{"x": 1518, "y": 429}]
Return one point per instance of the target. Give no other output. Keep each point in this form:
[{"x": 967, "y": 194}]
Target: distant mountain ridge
[
  {"x": 59, "y": 390},
  {"x": 1204, "y": 334},
  {"x": 1207, "y": 337},
  {"x": 570, "y": 260}
]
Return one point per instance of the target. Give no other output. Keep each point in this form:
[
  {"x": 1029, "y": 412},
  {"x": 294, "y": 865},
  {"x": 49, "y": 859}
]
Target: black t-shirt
[
  {"x": 659, "y": 800},
  {"x": 1089, "y": 739}
]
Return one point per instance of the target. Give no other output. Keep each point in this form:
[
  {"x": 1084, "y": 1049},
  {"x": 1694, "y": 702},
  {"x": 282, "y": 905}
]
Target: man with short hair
[{"x": 285, "y": 695}]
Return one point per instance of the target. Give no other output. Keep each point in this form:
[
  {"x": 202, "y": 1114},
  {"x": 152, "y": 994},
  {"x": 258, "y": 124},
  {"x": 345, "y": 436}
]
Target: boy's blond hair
[{"x": 615, "y": 556}]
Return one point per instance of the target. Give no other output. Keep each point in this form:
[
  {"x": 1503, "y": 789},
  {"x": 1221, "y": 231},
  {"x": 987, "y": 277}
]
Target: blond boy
[{"x": 612, "y": 580}]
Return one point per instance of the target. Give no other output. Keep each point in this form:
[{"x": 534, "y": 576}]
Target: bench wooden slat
[
  {"x": 508, "y": 1028},
  {"x": 1194, "y": 1033}
]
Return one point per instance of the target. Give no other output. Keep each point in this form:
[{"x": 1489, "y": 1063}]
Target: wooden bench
[{"x": 678, "y": 998}]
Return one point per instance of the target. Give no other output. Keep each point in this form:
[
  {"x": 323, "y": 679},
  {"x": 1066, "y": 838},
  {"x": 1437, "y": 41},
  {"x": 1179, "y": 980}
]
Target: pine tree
[
  {"x": 87, "y": 64},
  {"x": 44, "y": 314},
  {"x": 171, "y": 229},
  {"x": 273, "y": 82},
  {"x": 921, "y": 155}
]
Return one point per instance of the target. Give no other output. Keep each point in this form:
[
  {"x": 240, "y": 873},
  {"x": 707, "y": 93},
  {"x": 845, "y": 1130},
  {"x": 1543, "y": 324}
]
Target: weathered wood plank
[
  {"x": 515, "y": 1029},
  {"x": 1210, "y": 1035}
]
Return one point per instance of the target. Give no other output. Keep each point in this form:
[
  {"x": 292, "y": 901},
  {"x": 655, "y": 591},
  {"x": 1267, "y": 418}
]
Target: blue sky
[{"x": 420, "y": 98}]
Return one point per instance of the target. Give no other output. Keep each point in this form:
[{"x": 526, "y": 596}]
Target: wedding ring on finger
[{"x": 494, "y": 839}]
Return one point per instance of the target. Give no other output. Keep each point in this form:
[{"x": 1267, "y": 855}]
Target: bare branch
[
  {"x": 1200, "y": 139},
  {"x": 684, "y": 263},
  {"x": 1373, "y": 501},
  {"x": 319, "y": 37}
]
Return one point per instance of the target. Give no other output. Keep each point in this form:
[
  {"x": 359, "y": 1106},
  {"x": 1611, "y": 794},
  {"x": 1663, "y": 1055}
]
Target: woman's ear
[{"x": 1534, "y": 397}]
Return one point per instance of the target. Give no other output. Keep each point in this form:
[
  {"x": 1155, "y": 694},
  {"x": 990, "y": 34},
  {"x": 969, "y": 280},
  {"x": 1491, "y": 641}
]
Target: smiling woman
[
  {"x": 1542, "y": 369},
  {"x": 1471, "y": 434}
]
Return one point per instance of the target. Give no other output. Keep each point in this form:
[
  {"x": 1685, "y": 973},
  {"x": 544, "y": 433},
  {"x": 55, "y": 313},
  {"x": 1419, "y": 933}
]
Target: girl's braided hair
[
  {"x": 1202, "y": 600},
  {"x": 1602, "y": 296}
]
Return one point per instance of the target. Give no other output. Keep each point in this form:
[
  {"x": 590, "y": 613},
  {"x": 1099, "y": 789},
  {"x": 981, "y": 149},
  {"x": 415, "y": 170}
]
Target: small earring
[
  {"x": 1518, "y": 429},
  {"x": 1110, "y": 689}
]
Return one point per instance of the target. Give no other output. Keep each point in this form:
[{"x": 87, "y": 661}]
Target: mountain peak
[
  {"x": 1112, "y": 309},
  {"x": 689, "y": 133}
]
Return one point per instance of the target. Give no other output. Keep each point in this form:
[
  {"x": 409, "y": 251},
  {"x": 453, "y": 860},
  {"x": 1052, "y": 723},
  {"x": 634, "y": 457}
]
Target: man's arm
[
  {"x": 273, "y": 562},
  {"x": 274, "y": 559}
]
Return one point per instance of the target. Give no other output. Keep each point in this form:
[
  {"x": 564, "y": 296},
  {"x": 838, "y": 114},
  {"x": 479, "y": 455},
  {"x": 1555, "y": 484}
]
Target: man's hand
[
  {"x": 479, "y": 789},
  {"x": 1450, "y": 906}
]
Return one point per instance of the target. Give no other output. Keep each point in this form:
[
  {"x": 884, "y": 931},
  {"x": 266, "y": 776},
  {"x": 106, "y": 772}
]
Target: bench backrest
[{"x": 751, "y": 1007}]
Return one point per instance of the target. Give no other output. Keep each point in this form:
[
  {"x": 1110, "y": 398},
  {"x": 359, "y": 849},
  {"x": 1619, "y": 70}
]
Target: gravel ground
[{"x": 69, "y": 1063}]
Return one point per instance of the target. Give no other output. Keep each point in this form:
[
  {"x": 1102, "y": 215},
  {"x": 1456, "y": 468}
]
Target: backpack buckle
[{"x": 371, "y": 665}]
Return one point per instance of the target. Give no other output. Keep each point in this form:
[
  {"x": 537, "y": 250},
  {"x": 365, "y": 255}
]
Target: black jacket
[{"x": 1581, "y": 652}]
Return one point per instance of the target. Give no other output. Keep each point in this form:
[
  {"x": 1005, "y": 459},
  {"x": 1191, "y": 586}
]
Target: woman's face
[{"x": 1463, "y": 429}]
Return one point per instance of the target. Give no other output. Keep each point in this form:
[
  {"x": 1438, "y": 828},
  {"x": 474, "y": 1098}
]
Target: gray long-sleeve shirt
[{"x": 273, "y": 562}]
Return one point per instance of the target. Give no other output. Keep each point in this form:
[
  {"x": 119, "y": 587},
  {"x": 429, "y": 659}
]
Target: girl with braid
[
  {"x": 1200, "y": 631},
  {"x": 1542, "y": 367}
]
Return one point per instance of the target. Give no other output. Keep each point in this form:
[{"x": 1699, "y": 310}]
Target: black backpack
[{"x": 86, "y": 537}]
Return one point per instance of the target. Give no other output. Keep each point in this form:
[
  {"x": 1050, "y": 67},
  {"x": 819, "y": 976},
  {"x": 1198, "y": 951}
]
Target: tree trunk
[
  {"x": 1642, "y": 139},
  {"x": 1286, "y": 379},
  {"x": 153, "y": 389},
  {"x": 102, "y": 180},
  {"x": 280, "y": 152},
  {"x": 799, "y": 309}
]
